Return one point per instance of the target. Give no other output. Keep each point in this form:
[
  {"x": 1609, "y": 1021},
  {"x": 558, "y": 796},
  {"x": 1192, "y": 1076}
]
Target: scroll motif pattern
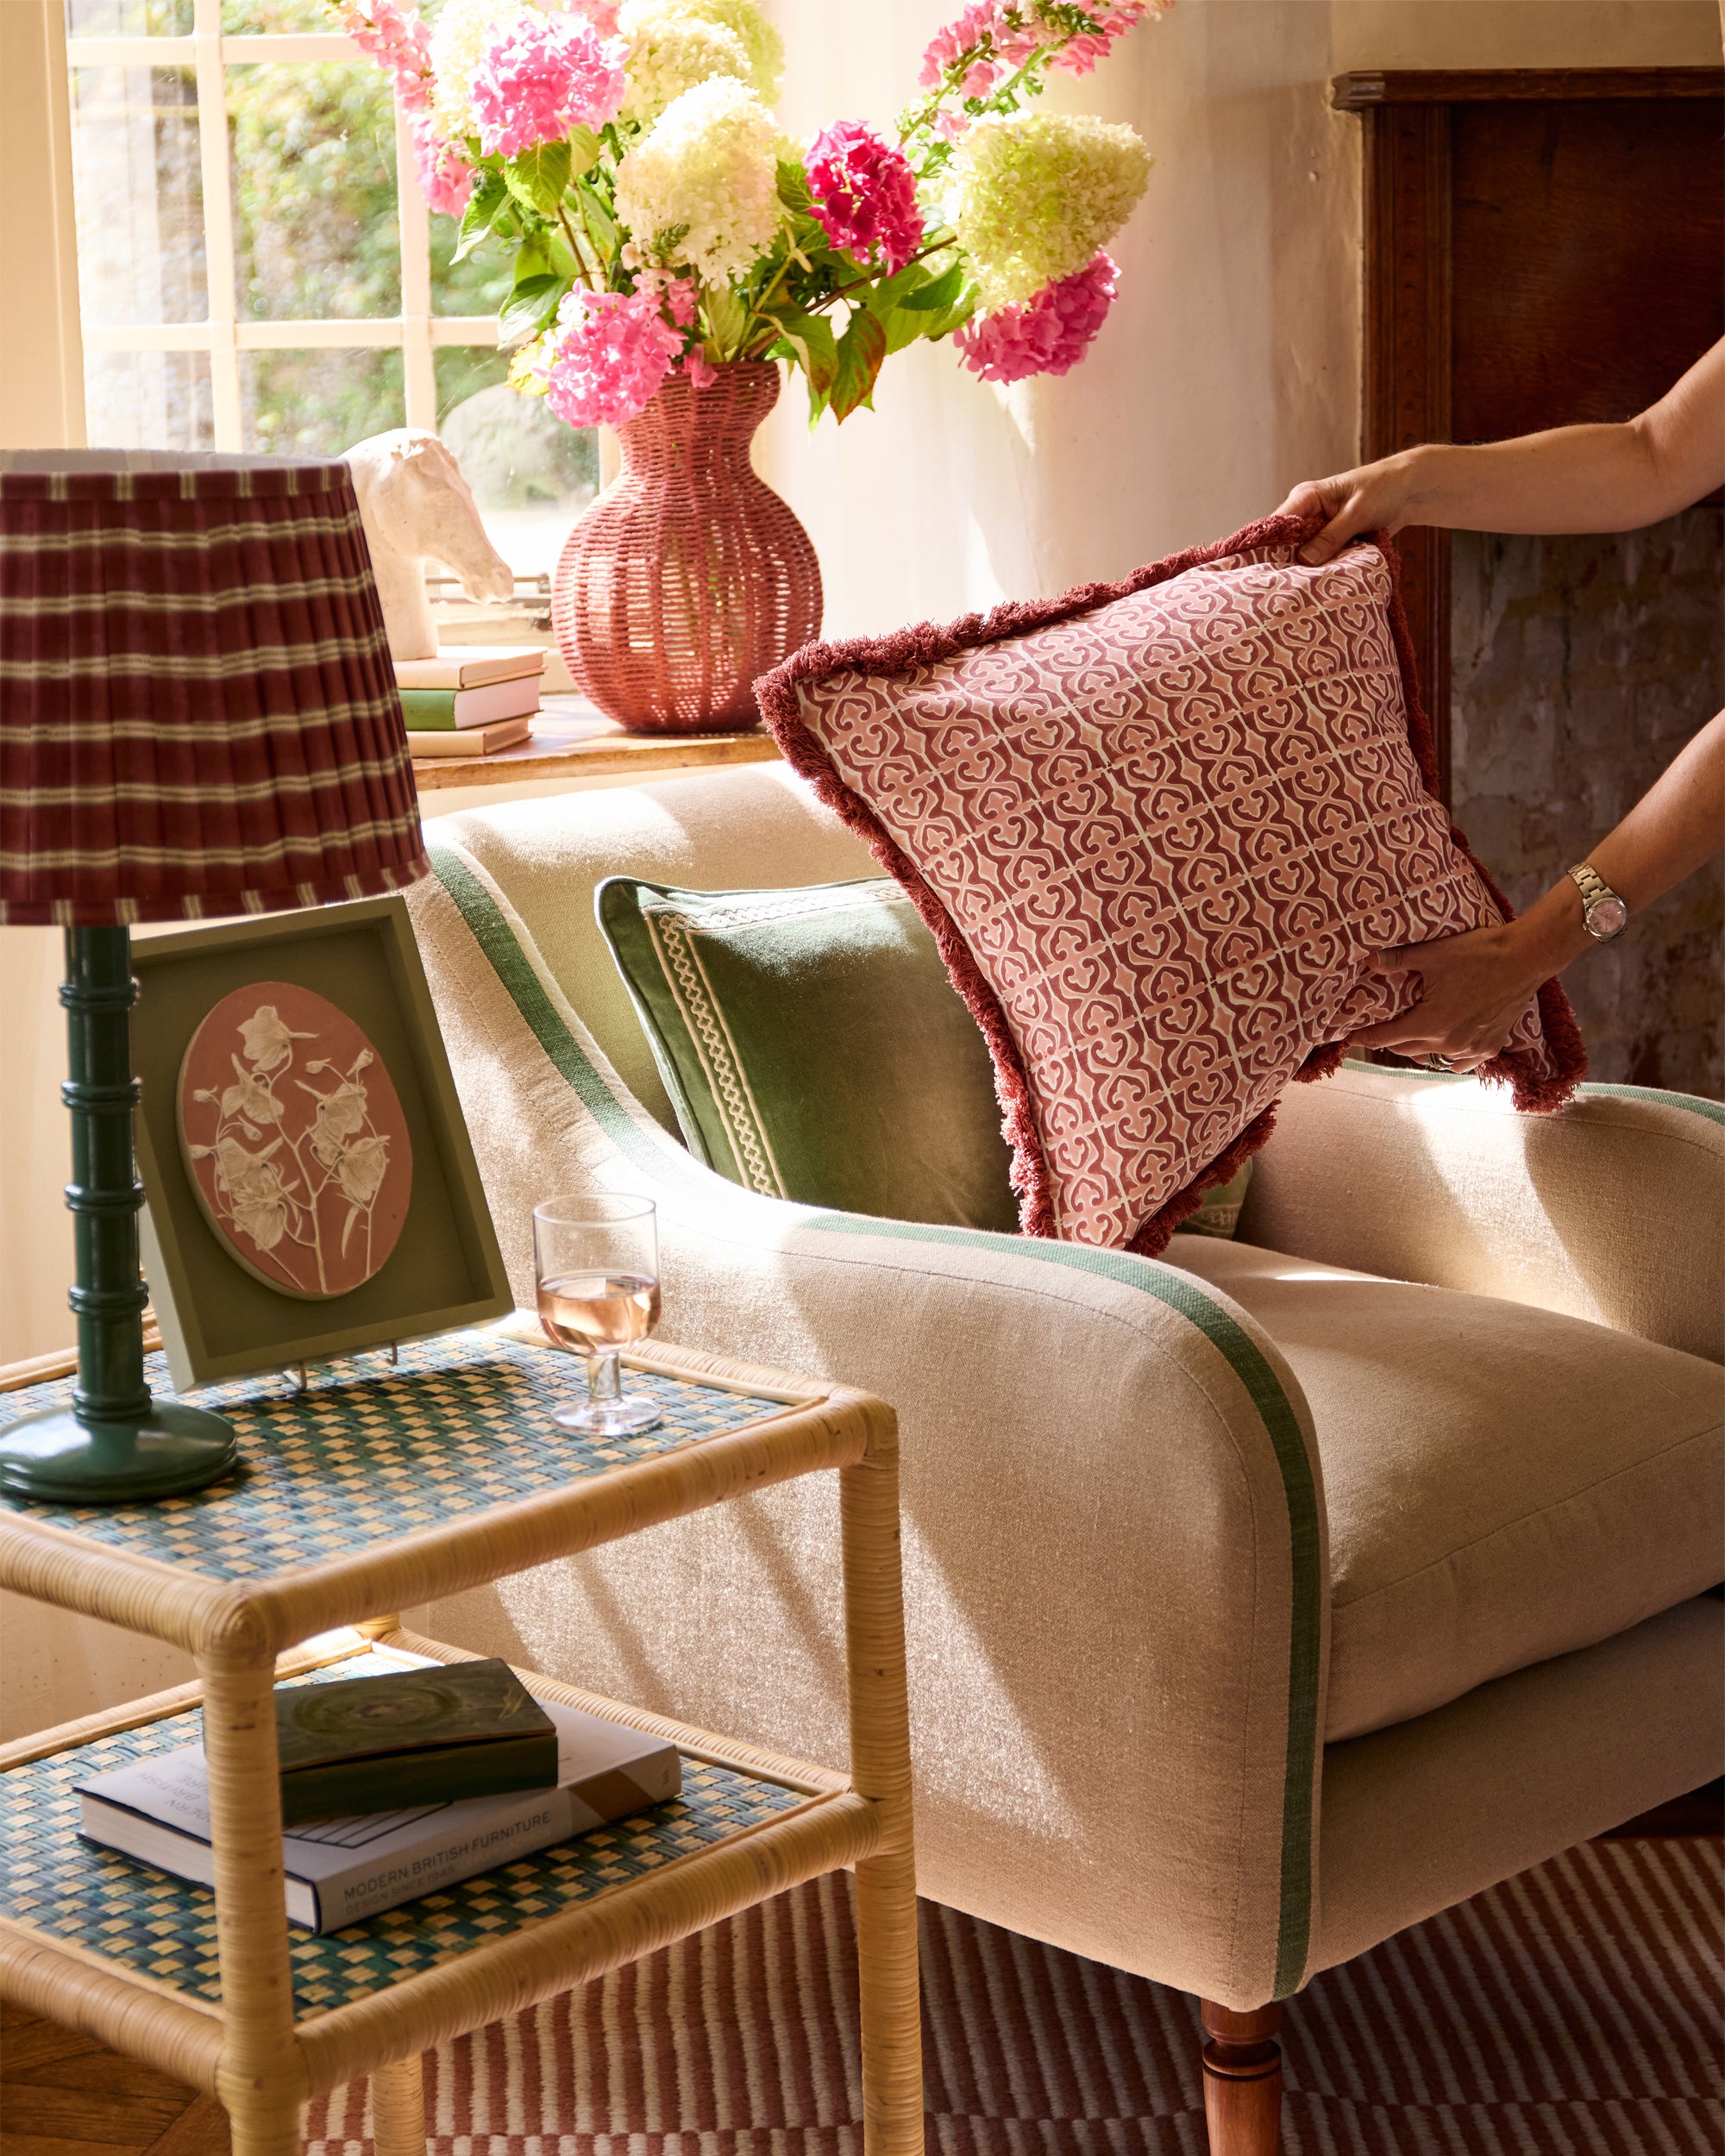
[{"x": 1171, "y": 831}]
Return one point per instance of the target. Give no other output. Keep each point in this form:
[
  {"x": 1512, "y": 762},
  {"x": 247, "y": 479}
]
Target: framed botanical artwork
[{"x": 309, "y": 1186}]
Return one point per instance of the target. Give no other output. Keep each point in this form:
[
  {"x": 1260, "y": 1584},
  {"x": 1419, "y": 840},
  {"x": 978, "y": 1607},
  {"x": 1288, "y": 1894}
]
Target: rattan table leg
[
  {"x": 398, "y": 2109},
  {"x": 881, "y": 1771},
  {"x": 262, "y": 2080}
]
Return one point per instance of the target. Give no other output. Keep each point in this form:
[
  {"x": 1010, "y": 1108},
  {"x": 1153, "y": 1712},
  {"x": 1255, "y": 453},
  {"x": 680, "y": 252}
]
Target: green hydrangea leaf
[{"x": 539, "y": 176}]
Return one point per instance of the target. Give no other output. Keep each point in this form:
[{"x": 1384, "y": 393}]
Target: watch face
[{"x": 1605, "y": 917}]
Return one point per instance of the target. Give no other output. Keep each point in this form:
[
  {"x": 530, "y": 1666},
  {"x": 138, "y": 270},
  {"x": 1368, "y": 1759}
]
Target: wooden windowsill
[{"x": 571, "y": 740}]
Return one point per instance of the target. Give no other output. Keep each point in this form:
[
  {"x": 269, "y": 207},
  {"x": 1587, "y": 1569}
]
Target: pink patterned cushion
[{"x": 1157, "y": 829}]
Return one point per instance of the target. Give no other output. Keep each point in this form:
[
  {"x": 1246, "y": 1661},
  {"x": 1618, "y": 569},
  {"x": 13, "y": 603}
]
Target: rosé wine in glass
[{"x": 596, "y": 1260}]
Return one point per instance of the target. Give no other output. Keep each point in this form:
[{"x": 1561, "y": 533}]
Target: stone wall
[{"x": 1580, "y": 666}]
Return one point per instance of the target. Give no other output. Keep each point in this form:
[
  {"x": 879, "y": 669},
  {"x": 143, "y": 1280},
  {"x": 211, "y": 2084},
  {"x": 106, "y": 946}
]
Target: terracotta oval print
[{"x": 295, "y": 1140}]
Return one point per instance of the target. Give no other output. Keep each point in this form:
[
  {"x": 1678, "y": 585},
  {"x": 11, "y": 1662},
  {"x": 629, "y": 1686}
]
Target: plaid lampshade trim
[{"x": 198, "y": 714}]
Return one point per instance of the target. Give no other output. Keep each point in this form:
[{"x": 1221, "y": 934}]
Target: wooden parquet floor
[{"x": 62, "y": 2094}]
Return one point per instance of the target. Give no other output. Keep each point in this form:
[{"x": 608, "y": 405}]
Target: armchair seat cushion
[{"x": 1504, "y": 1484}]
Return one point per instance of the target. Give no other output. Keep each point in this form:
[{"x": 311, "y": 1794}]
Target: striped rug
[{"x": 1574, "y": 2011}]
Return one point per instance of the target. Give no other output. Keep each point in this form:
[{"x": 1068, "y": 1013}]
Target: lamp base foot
[{"x": 55, "y": 1458}]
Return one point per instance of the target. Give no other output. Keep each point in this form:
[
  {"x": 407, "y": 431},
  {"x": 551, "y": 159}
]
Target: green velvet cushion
[
  {"x": 813, "y": 1047},
  {"x": 1218, "y": 1214}
]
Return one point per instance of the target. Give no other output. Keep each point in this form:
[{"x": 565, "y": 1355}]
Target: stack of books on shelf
[
  {"x": 471, "y": 699},
  {"x": 395, "y": 1785}
]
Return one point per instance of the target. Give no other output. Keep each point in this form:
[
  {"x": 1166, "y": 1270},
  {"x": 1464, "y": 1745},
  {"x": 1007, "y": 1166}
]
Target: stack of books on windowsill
[{"x": 471, "y": 699}]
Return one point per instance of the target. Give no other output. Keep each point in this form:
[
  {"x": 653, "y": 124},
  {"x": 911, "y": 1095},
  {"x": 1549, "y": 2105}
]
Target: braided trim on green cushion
[{"x": 1176, "y": 1291}]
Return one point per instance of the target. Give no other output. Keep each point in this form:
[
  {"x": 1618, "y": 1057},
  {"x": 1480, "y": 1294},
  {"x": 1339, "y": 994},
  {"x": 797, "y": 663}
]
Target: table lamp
[{"x": 198, "y": 718}]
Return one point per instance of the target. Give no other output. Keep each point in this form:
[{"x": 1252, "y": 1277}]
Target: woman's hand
[
  {"x": 1473, "y": 988},
  {"x": 1374, "y": 498}
]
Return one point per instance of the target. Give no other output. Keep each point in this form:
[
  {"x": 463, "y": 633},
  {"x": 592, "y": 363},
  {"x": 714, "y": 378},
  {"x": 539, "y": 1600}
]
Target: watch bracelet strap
[{"x": 1591, "y": 885}]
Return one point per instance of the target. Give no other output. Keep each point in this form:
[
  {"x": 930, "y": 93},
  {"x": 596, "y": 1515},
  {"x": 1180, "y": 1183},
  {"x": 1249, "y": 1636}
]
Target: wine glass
[{"x": 597, "y": 1262}]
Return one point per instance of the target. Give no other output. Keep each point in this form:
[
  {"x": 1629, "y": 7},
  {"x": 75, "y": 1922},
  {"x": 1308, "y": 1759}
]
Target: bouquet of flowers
[{"x": 659, "y": 217}]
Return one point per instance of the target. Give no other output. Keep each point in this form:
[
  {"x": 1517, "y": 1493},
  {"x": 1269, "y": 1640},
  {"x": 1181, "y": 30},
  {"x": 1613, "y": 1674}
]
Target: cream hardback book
[
  {"x": 472, "y": 741},
  {"x": 470, "y": 666}
]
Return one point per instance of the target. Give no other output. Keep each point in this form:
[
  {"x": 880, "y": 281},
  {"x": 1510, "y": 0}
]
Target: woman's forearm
[
  {"x": 1574, "y": 479},
  {"x": 1678, "y": 824}
]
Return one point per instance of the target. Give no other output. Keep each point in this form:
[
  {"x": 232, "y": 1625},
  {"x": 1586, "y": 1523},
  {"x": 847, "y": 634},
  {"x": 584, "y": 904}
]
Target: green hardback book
[{"x": 379, "y": 1744}]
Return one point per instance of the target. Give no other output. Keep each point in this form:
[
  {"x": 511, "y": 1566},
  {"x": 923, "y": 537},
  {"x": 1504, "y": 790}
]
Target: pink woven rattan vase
[{"x": 687, "y": 578}]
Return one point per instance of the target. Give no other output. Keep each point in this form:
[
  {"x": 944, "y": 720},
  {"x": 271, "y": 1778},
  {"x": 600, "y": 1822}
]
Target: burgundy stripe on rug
[{"x": 1573, "y": 2011}]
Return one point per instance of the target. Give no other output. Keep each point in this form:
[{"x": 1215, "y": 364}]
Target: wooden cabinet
[{"x": 1542, "y": 248}]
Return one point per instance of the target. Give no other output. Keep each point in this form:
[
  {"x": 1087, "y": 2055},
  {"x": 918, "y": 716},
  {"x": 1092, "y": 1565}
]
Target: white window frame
[{"x": 416, "y": 332}]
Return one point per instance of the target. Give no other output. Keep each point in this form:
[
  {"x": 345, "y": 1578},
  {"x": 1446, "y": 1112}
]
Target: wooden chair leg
[
  {"x": 398, "y": 2109},
  {"x": 1242, "y": 2080}
]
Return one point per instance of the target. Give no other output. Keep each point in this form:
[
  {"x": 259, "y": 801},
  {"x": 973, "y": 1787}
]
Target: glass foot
[
  {"x": 55, "y": 1458},
  {"x": 609, "y": 1417}
]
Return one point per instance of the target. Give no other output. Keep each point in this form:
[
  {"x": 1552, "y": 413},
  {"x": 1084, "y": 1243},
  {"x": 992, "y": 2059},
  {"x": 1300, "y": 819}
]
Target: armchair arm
[
  {"x": 1116, "y": 1575},
  {"x": 1612, "y": 1209}
]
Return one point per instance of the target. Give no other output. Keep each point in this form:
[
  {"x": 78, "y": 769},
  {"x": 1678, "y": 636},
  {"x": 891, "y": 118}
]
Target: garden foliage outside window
[{"x": 258, "y": 271}]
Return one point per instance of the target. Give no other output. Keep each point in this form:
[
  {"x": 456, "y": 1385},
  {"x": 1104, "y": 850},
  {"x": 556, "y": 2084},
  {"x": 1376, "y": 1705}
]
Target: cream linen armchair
[{"x": 1262, "y": 1600}]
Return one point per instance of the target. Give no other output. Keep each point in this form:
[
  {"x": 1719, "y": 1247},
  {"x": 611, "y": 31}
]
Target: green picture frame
[{"x": 220, "y": 1319}]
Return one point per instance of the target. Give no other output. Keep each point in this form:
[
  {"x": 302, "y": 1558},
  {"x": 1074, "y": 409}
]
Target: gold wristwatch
[{"x": 1603, "y": 914}]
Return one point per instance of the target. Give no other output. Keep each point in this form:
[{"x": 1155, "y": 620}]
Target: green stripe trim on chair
[
  {"x": 494, "y": 937},
  {"x": 1180, "y": 1293}
]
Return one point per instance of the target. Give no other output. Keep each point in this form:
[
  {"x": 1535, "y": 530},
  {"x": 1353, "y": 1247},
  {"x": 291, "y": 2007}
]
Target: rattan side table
[{"x": 376, "y": 1488}]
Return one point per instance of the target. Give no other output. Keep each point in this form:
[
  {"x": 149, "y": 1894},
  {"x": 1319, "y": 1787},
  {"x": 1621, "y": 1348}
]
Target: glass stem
[{"x": 604, "y": 1377}]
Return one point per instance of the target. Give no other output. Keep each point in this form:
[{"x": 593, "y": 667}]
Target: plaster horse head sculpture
[{"x": 416, "y": 507}]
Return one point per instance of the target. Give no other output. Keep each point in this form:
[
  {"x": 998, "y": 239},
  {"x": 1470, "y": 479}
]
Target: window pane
[
  {"x": 139, "y": 195},
  {"x": 531, "y": 475},
  {"x": 255, "y": 18},
  {"x": 147, "y": 400},
  {"x": 318, "y": 404},
  {"x": 478, "y": 286},
  {"x": 129, "y": 18},
  {"x": 315, "y": 231}
]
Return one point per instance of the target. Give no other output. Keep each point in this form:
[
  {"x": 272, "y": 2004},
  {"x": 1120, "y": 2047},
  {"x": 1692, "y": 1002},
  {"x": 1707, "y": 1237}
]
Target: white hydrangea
[
  {"x": 461, "y": 32},
  {"x": 670, "y": 52},
  {"x": 709, "y": 164},
  {"x": 1033, "y": 195},
  {"x": 745, "y": 19}
]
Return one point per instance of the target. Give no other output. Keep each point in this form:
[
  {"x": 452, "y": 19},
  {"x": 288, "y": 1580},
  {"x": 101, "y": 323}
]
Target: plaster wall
[{"x": 1228, "y": 370}]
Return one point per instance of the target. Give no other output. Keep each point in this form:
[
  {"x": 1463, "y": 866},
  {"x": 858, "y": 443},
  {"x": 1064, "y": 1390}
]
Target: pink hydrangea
[
  {"x": 602, "y": 13},
  {"x": 1048, "y": 332},
  {"x": 542, "y": 76},
  {"x": 864, "y": 194},
  {"x": 608, "y": 356},
  {"x": 446, "y": 178},
  {"x": 399, "y": 43}
]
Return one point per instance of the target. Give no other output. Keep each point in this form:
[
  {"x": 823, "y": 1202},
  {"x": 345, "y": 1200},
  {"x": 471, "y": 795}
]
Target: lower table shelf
[
  {"x": 83, "y": 1928},
  {"x": 147, "y": 1926}
]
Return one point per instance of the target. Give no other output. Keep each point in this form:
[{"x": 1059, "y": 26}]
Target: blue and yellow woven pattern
[
  {"x": 160, "y": 1928},
  {"x": 371, "y": 1453}
]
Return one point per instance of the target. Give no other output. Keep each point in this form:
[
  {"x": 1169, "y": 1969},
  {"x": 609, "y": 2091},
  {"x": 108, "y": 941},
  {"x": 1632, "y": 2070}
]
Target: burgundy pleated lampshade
[{"x": 198, "y": 712}]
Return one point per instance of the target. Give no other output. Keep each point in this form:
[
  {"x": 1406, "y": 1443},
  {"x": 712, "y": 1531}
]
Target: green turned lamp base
[{"x": 54, "y": 1457}]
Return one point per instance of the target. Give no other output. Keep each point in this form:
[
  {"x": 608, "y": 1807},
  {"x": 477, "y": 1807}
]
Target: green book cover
[
  {"x": 423, "y": 1737},
  {"x": 427, "y": 711}
]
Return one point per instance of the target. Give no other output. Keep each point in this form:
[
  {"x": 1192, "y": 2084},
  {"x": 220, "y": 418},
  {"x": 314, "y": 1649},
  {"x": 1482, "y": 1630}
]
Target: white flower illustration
[
  {"x": 253, "y": 1187},
  {"x": 267, "y": 1039},
  {"x": 249, "y": 1097}
]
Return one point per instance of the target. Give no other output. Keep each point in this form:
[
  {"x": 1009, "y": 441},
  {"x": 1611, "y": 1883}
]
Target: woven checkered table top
[
  {"x": 370, "y": 1453},
  {"x": 160, "y": 1928}
]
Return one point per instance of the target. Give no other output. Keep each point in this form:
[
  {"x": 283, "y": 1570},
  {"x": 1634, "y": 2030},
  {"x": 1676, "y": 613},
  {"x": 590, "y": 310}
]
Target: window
[{"x": 258, "y": 270}]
